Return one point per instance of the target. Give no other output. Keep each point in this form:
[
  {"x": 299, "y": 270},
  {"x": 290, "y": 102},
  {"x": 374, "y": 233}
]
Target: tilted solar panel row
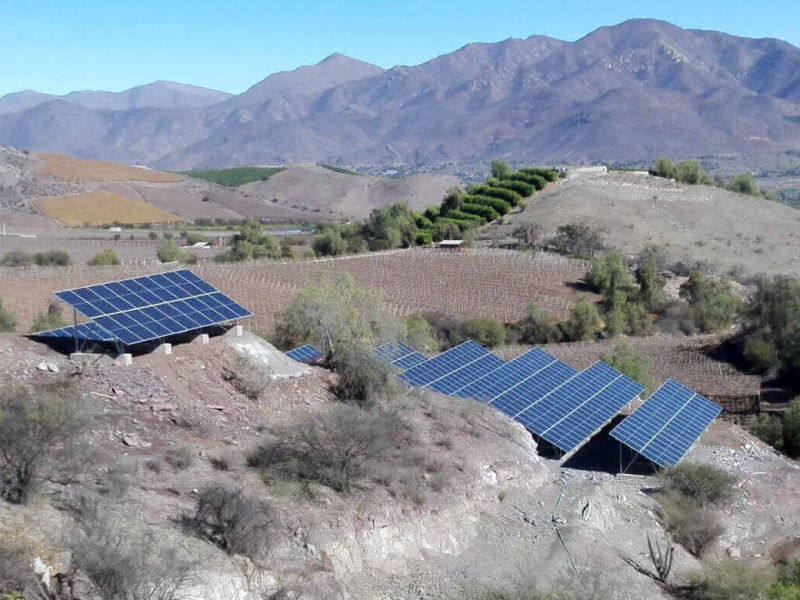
[
  {"x": 399, "y": 355},
  {"x": 150, "y": 307},
  {"x": 307, "y": 354},
  {"x": 442, "y": 364},
  {"x": 667, "y": 424}
]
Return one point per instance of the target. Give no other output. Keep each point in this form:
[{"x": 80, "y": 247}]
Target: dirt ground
[{"x": 506, "y": 514}]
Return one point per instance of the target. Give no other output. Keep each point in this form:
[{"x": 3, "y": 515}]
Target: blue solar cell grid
[
  {"x": 506, "y": 376},
  {"x": 466, "y": 374},
  {"x": 307, "y": 353},
  {"x": 409, "y": 360},
  {"x": 667, "y": 424},
  {"x": 154, "y": 306},
  {"x": 86, "y": 331},
  {"x": 440, "y": 365},
  {"x": 532, "y": 389},
  {"x": 391, "y": 351},
  {"x": 573, "y": 411}
]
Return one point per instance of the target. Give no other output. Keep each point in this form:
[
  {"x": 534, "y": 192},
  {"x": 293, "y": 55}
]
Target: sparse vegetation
[
  {"x": 690, "y": 171},
  {"x": 236, "y": 176},
  {"x": 8, "y": 322},
  {"x": 781, "y": 431},
  {"x": 168, "y": 251},
  {"x": 577, "y": 239},
  {"x": 51, "y": 319},
  {"x": 713, "y": 305},
  {"x": 104, "y": 258}
]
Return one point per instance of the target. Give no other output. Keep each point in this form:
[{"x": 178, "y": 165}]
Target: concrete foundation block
[
  {"x": 164, "y": 349},
  {"x": 235, "y": 331},
  {"x": 201, "y": 339}
]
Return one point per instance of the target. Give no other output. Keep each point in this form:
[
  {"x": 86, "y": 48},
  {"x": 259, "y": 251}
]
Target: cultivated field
[
  {"x": 77, "y": 169},
  {"x": 497, "y": 284},
  {"x": 97, "y": 208}
]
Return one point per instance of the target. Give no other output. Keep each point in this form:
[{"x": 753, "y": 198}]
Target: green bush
[
  {"x": 729, "y": 580},
  {"x": 50, "y": 320},
  {"x": 538, "y": 328},
  {"x": 703, "y": 484},
  {"x": 513, "y": 198},
  {"x": 500, "y": 169},
  {"x": 584, "y": 322},
  {"x": 485, "y": 212},
  {"x": 486, "y": 332},
  {"x": 500, "y": 206},
  {"x": 536, "y": 181},
  {"x": 712, "y": 303},
  {"x": 16, "y": 258},
  {"x": 424, "y": 237},
  {"x": 742, "y": 184},
  {"x": 8, "y": 321},
  {"x": 459, "y": 215},
  {"x": 636, "y": 366},
  {"x": 523, "y": 189},
  {"x": 362, "y": 378},
  {"x": 547, "y": 174},
  {"x": 329, "y": 243},
  {"x": 104, "y": 258},
  {"x": 54, "y": 258},
  {"x": 768, "y": 428},
  {"x": 168, "y": 251}
]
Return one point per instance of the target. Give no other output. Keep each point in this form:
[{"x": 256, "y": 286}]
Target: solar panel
[
  {"x": 667, "y": 424},
  {"x": 532, "y": 389},
  {"x": 153, "y": 306},
  {"x": 442, "y": 364},
  {"x": 86, "y": 331},
  {"x": 392, "y": 351},
  {"x": 466, "y": 374},
  {"x": 506, "y": 376},
  {"x": 307, "y": 353},
  {"x": 573, "y": 411},
  {"x": 409, "y": 360}
]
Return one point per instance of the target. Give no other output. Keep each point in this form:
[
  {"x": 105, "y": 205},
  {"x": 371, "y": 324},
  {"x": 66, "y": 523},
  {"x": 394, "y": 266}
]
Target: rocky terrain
[
  {"x": 733, "y": 101},
  {"x": 483, "y": 510}
]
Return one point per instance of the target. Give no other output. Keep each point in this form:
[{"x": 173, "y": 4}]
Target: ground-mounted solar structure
[
  {"x": 434, "y": 369},
  {"x": 306, "y": 354},
  {"x": 145, "y": 309},
  {"x": 667, "y": 424},
  {"x": 399, "y": 355}
]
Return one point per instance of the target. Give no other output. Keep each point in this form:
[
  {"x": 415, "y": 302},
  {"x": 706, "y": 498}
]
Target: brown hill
[
  {"x": 728, "y": 231},
  {"x": 319, "y": 189}
]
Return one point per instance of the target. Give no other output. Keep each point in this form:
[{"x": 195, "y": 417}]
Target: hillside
[
  {"x": 319, "y": 189},
  {"x": 725, "y": 230},
  {"x": 733, "y": 101}
]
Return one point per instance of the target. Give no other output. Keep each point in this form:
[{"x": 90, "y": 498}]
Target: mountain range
[{"x": 625, "y": 94}]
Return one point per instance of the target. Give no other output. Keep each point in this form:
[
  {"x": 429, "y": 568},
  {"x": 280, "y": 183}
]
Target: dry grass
[
  {"x": 100, "y": 207},
  {"x": 77, "y": 169}
]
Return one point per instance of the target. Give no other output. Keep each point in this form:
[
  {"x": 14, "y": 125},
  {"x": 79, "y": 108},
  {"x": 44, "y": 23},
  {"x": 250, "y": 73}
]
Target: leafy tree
[
  {"x": 665, "y": 168},
  {"x": 538, "y": 328},
  {"x": 418, "y": 333},
  {"x": 500, "y": 169},
  {"x": 651, "y": 285},
  {"x": 577, "y": 239},
  {"x": 689, "y": 171},
  {"x": 636, "y": 366},
  {"x": 608, "y": 274},
  {"x": 712, "y": 303},
  {"x": 268, "y": 247},
  {"x": 241, "y": 250},
  {"x": 584, "y": 322},
  {"x": 286, "y": 247},
  {"x": 104, "y": 258},
  {"x": 8, "y": 321},
  {"x": 333, "y": 314},
  {"x": 445, "y": 231},
  {"x": 329, "y": 243},
  {"x": 453, "y": 199},
  {"x": 391, "y": 227}
]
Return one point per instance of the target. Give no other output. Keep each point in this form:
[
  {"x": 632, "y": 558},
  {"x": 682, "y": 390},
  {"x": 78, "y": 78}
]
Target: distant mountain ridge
[{"x": 625, "y": 93}]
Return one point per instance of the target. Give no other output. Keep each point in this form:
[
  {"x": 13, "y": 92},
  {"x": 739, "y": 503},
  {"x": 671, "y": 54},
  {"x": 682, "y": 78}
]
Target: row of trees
[{"x": 690, "y": 171}]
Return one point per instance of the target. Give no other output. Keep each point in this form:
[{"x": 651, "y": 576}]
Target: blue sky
[{"x": 59, "y": 46}]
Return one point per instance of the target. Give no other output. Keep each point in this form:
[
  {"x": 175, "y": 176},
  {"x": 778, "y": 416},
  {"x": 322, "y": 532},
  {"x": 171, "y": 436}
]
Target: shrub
[
  {"x": 16, "y": 258},
  {"x": 362, "y": 378},
  {"x": 703, "y": 484},
  {"x": 742, "y": 184},
  {"x": 487, "y": 332},
  {"x": 181, "y": 457},
  {"x": 460, "y": 215},
  {"x": 168, "y": 251},
  {"x": 50, "y": 320},
  {"x": 512, "y": 197},
  {"x": 231, "y": 520},
  {"x": 55, "y": 258},
  {"x": 250, "y": 380},
  {"x": 167, "y": 235},
  {"x": 577, "y": 239},
  {"x": 104, "y": 258},
  {"x": 329, "y": 243},
  {"x": 728, "y": 580},
  {"x": 768, "y": 428},
  {"x": 153, "y": 236},
  {"x": 8, "y": 322},
  {"x": 32, "y": 425},
  {"x": 713, "y": 304},
  {"x": 538, "y": 327},
  {"x": 499, "y": 205},
  {"x": 485, "y": 212},
  {"x": 536, "y": 181},
  {"x": 694, "y": 527},
  {"x": 418, "y": 333},
  {"x": 332, "y": 448},
  {"x": 500, "y": 169},
  {"x": 584, "y": 322},
  {"x": 520, "y": 187},
  {"x": 127, "y": 562},
  {"x": 635, "y": 366}
]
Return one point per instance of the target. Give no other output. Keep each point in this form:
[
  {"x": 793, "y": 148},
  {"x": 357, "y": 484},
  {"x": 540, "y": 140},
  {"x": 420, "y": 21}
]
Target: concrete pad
[
  {"x": 201, "y": 339},
  {"x": 165, "y": 349},
  {"x": 125, "y": 359}
]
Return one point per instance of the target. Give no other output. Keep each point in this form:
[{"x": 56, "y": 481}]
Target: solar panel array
[
  {"x": 667, "y": 424},
  {"x": 557, "y": 403},
  {"x": 307, "y": 354},
  {"x": 147, "y": 308}
]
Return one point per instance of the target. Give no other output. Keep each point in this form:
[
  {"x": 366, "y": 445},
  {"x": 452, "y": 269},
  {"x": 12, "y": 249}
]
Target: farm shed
[{"x": 454, "y": 245}]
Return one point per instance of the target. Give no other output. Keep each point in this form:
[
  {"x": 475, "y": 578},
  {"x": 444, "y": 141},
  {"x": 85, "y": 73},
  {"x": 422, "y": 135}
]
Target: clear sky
[{"x": 59, "y": 46}]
